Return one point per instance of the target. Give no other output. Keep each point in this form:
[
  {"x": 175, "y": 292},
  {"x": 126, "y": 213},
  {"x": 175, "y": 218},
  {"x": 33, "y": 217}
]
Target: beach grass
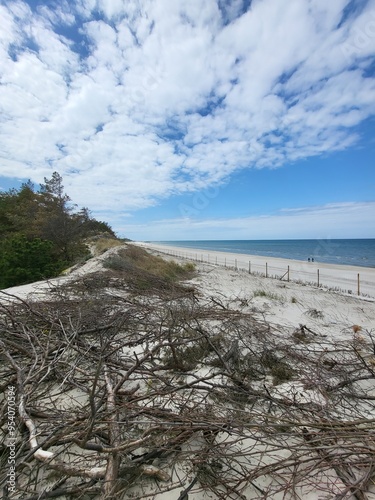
[{"x": 145, "y": 271}]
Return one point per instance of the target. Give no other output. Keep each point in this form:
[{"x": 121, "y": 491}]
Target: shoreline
[
  {"x": 253, "y": 255},
  {"x": 347, "y": 278}
]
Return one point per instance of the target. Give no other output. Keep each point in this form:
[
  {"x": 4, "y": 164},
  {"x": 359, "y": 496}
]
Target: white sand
[
  {"x": 287, "y": 304},
  {"x": 340, "y": 277},
  {"x": 39, "y": 290}
]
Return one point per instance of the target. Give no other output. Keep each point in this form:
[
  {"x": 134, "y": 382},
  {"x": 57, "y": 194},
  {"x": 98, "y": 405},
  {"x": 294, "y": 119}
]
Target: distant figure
[
  {"x": 308, "y": 259},
  {"x": 312, "y": 259}
]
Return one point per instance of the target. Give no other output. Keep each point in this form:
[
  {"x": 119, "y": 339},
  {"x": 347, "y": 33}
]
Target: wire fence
[{"x": 352, "y": 283}]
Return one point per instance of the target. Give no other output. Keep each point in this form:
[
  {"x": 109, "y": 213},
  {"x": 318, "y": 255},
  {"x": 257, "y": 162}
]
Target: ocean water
[{"x": 357, "y": 252}]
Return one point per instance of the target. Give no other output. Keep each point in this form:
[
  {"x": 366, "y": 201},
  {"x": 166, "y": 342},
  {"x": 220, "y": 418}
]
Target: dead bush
[{"x": 135, "y": 395}]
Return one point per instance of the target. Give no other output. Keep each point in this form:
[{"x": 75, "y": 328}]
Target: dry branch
[{"x": 124, "y": 394}]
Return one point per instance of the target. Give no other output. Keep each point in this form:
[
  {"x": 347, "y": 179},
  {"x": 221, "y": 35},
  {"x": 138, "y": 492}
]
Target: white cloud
[
  {"x": 175, "y": 96},
  {"x": 341, "y": 220}
]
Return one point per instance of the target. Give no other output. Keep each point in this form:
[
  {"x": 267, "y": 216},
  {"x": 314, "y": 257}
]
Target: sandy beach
[
  {"x": 226, "y": 277},
  {"x": 316, "y": 331},
  {"x": 353, "y": 280},
  {"x": 282, "y": 302}
]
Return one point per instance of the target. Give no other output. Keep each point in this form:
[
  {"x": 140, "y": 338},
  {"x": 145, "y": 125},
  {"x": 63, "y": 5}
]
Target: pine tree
[
  {"x": 41, "y": 232},
  {"x": 57, "y": 223}
]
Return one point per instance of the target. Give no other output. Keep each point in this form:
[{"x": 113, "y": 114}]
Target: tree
[
  {"x": 56, "y": 224},
  {"x": 7, "y": 207},
  {"x": 18, "y": 210},
  {"x": 64, "y": 226},
  {"x": 23, "y": 261},
  {"x": 33, "y": 222},
  {"x": 53, "y": 189}
]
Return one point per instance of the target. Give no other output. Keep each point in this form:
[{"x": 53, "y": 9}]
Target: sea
[{"x": 350, "y": 252}]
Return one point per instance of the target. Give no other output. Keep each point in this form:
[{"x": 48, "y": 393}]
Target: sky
[{"x": 195, "y": 119}]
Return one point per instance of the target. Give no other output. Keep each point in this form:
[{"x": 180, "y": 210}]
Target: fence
[{"x": 331, "y": 279}]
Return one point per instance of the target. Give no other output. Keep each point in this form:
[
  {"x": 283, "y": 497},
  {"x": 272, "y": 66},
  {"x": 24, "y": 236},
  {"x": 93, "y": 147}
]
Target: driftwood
[{"x": 121, "y": 395}]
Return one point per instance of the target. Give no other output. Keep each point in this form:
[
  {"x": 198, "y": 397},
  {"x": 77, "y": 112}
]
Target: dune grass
[{"x": 145, "y": 271}]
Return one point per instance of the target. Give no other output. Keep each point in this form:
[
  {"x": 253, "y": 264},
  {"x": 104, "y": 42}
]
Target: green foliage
[
  {"x": 93, "y": 226},
  {"x": 187, "y": 357},
  {"x": 267, "y": 295},
  {"x": 24, "y": 261},
  {"x": 280, "y": 370},
  {"x": 45, "y": 231}
]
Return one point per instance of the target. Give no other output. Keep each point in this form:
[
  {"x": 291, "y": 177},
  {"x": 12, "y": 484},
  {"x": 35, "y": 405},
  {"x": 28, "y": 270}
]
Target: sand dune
[{"x": 335, "y": 321}]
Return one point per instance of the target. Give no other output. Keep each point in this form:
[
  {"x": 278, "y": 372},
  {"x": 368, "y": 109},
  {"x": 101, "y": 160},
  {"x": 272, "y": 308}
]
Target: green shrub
[
  {"x": 300, "y": 336},
  {"x": 314, "y": 313},
  {"x": 24, "y": 261},
  {"x": 280, "y": 371},
  {"x": 267, "y": 295},
  {"x": 187, "y": 357}
]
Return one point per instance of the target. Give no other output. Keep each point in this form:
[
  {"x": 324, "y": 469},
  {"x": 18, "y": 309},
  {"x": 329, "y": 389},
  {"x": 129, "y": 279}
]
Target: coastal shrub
[
  {"x": 280, "y": 370},
  {"x": 314, "y": 313},
  {"x": 186, "y": 358},
  {"x": 299, "y": 335},
  {"x": 267, "y": 295},
  {"x": 44, "y": 232},
  {"x": 268, "y": 358},
  {"x": 189, "y": 346},
  {"x": 24, "y": 261},
  {"x": 247, "y": 368}
]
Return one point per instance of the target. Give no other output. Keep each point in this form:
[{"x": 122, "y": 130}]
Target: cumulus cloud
[{"x": 135, "y": 101}]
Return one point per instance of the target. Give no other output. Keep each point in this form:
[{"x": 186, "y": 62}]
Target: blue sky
[{"x": 183, "y": 119}]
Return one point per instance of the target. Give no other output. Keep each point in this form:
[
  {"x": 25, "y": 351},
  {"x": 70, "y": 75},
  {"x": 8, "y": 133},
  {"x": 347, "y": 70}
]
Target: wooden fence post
[
  {"x": 288, "y": 273},
  {"x": 266, "y": 270},
  {"x": 249, "y": 267},
  {"x": 318, "y": 278},
  {"x": 358, "y": 286},
  {"x": 235, "y": 264}
]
